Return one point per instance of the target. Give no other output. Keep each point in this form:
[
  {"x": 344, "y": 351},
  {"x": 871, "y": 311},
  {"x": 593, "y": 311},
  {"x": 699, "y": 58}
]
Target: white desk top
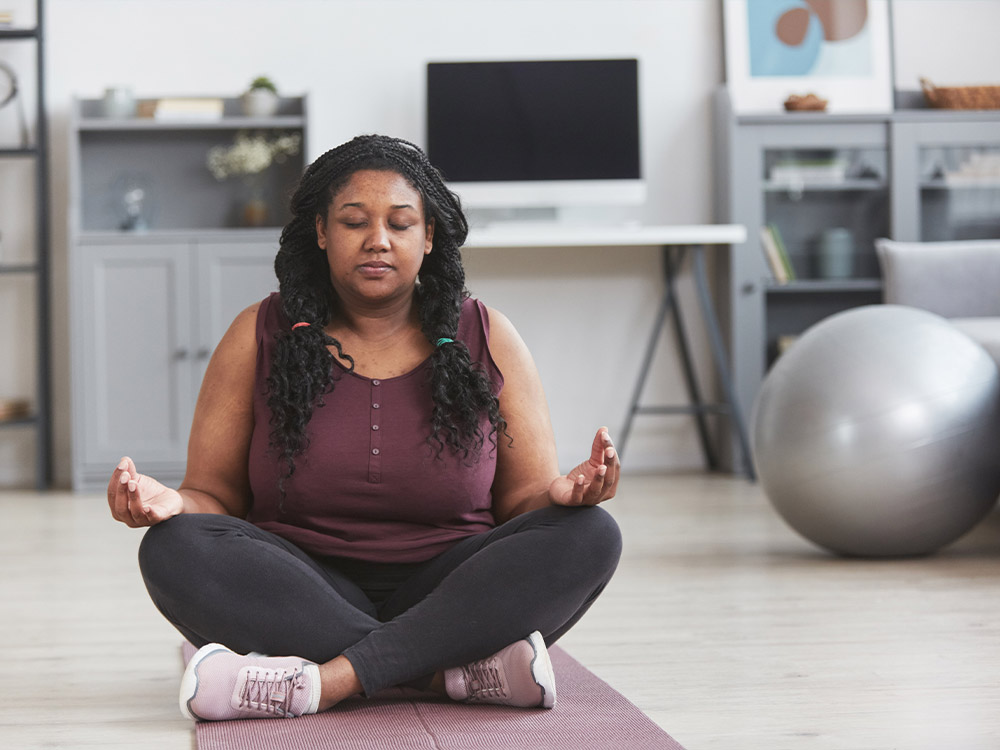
[{"x": 554, "y": 235}]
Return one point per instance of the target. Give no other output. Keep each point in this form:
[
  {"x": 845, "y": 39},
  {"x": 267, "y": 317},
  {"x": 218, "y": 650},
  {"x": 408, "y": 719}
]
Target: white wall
[
  {"x": 951, "y": 42},
  {"x": 585, "y": 314}
]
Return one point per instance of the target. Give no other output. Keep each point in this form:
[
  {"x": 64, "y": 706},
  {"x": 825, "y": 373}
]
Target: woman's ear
[
  {"x": 429, "y": 239},
  {"x": 321, "y": 231}
]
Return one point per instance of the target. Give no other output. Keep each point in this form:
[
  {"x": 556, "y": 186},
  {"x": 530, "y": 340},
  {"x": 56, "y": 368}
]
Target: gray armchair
[{"x": 957, "y": 280}]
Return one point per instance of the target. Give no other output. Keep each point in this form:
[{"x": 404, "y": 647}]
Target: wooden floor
[{"x": 721, "y": 624}]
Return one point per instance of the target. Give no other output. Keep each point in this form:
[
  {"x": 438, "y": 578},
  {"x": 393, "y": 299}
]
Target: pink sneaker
[
  {"x": 518, "y": 675},
  {"x": 219, "y": 684}
]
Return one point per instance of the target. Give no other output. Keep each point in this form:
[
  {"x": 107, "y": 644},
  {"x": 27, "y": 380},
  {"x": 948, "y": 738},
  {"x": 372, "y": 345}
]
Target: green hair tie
[{"x": 439, "y": 342}]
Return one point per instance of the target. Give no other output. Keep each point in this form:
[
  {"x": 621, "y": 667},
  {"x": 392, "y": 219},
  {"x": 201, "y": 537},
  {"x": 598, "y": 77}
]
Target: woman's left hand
[{"x": 593, "y": 481}]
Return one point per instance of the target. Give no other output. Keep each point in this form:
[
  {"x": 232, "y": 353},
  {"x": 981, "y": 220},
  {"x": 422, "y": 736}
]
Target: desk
[{"x": 678, "y": 243}]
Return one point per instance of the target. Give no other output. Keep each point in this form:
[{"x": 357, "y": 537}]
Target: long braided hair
[{"x": 302, "y": 365}]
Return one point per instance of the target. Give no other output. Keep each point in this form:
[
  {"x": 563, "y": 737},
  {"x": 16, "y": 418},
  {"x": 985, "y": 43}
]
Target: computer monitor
[{"x": 536, "y": 139}]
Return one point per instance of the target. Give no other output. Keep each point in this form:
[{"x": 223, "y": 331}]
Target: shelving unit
[
  {"x": 171, "y": 290},
  {"x": 38, "y": 269},
  {"x": 908, "y": 175}
]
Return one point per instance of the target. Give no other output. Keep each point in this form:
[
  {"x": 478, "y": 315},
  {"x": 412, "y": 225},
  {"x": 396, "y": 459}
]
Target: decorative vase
[
  {"x": 255, "y": 207},
  {"x": 260, "y": 103},
  {"x": 255, "y": 212},
  {"x": 118, "y": 102}
]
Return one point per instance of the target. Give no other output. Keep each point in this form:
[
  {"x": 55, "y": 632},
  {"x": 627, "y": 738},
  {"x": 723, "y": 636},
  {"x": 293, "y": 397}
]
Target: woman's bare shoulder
[
  {"x": 242, "y": 333},
  {"x": 506, "y": 344}
]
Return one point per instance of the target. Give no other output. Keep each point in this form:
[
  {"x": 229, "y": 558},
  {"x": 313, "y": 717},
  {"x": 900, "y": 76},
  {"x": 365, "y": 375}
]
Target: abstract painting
[{"x": 837, "y": 49}]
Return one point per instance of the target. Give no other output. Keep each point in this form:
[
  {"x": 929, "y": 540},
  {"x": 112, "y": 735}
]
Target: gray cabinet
[
  {"x": 150, "y": 299},
  {"x": 147, "y": 320},
  {"x": 837, "y": 182}
]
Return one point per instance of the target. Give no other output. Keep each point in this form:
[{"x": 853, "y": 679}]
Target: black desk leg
[
  {"x": 647, "y": 360},
  {"x": 721, "y": 360},
  {"x": 673, "y": 258}
]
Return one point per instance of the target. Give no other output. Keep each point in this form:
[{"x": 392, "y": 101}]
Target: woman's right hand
[{"x": 139, "y": 500}]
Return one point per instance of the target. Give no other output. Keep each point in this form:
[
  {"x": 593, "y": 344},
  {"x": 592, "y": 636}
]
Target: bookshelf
[{"x": 32, "y": 156}]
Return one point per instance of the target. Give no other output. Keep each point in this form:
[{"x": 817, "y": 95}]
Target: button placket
[{"x": 375, "y": 434}]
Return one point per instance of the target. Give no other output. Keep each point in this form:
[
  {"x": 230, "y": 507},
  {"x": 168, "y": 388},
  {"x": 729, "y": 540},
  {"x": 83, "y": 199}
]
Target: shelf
[
  {"x": 180, "y": 234},
  {"x": 19, "y": 421},
  {"x": 89, "y": 116},
  {"x": 829, "y": 187},
  {"x": 15, "y": 33},
  {"x": 18, "y": 151},
  {"x": 986, "y": 183},
  {"x": 18, "y": 268},
  {"x": 825, "y": 286},
  {"x": 145, "y": 124}
]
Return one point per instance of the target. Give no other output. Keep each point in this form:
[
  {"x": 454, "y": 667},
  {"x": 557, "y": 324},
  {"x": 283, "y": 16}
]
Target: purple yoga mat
[{"x": 589, "y": 713}]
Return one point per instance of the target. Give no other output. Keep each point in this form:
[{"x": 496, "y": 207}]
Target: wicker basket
[{"x": 961, "y": 97}]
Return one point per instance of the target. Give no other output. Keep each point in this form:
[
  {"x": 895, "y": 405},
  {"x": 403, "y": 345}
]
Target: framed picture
[{"x": 840, "y": 51}]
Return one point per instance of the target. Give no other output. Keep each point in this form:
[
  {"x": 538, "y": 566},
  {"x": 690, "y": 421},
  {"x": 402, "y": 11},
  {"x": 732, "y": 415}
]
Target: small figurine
[{"x": 134, "y": 220}]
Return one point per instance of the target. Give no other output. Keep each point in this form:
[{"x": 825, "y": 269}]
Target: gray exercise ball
[{"x": 877, "y": 433}]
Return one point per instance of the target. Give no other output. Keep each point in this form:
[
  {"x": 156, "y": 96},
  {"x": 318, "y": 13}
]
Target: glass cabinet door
[
  {"x": 826, "y": 207},
  {"x": 946, "y": 176},
  {"x": 959, "y": 191}
]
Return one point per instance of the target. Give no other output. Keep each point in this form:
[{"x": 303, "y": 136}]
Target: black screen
[{"x": 542, "y": 120}]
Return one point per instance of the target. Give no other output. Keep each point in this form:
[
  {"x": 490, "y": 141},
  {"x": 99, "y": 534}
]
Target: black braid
[{"x": 302, "y": 365}]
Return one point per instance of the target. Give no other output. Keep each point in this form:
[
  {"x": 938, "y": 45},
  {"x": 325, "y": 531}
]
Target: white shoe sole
[
  {"x": 541, "y": 670},
  {"x": 189, "y": 682}
]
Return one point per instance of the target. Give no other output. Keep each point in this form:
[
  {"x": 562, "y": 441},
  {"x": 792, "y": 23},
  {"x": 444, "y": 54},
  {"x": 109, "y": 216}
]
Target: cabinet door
[
  {"x": 947, "y": 178},
  {"x": 231, "y": 277},
  {"x": 136, "y": 356},
  {"x": 822, "y": 191}
]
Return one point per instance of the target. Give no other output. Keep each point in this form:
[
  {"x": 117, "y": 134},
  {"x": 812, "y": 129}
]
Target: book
[
  {"x": 188, "y": 109},
  {"x": 786, "y": 261},
  {"x": 772, "y": 256},
  {"x": 806, "y": 171}
]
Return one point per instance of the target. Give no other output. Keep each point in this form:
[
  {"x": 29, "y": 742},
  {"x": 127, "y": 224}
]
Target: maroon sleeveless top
[{"x": 369, "y": 486}]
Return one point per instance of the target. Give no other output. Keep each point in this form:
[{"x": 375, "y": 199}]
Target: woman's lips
[{"x": 374, "y": 269}]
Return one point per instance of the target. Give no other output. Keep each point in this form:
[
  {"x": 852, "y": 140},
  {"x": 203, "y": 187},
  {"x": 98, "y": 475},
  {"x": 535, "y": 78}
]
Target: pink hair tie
[{"x": 299, "y": 324}]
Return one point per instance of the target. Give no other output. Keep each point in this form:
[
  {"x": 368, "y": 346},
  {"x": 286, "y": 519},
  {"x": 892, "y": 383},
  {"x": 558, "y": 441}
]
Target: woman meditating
[{"x": 372, "y": 497}]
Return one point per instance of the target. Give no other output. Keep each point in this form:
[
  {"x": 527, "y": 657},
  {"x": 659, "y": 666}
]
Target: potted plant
[
  {"x": 249, "y": 157},
  {"x": 261, "y": 99}
]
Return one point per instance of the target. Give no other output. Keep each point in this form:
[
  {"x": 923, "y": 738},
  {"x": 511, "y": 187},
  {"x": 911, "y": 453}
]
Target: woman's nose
[{"x": 378, "y": 239}]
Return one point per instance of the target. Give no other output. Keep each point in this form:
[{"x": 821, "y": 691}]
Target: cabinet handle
[
  {"x": 203, "y": 353},
  {"x": 181, "y": 354}
]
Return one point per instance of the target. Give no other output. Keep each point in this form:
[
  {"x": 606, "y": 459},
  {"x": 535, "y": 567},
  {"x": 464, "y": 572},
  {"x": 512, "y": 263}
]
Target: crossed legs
[{"x": 221, "y": 579}]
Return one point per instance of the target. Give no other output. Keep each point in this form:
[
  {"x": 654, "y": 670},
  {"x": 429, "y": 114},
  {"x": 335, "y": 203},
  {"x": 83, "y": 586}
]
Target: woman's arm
[
  {"x": 527, "y": 475},
  {"x": 217, "y": 476}
]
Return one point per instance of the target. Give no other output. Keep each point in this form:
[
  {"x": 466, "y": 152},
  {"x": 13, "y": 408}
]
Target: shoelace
[
  {"x": 270, "y": 691},
  {"x": 482, "y": 679}
]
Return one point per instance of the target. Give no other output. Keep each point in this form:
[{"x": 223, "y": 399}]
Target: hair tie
[
  {"x": 439, "y": 342},
  {"x": 299, "y": 324}
]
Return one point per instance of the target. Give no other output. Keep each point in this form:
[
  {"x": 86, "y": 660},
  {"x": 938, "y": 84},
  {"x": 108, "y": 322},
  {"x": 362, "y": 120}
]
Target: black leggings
[{"x": 222, "y": 579}]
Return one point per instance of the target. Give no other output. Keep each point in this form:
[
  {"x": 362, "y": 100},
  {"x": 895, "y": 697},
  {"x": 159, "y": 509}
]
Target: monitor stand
[
  {"x": 547, "y": 216},
  {"x": 488, "y": 217}
]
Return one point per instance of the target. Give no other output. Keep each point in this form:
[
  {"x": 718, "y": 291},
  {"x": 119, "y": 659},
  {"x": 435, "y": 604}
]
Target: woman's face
[{"x": 375, "y": 237}]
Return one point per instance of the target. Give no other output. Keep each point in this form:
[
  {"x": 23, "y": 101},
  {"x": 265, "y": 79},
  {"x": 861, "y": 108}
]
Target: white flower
[{"x": 250, "y": 154}]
